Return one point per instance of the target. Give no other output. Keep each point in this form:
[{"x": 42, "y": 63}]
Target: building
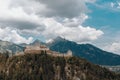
[{"x": 35, "y": 49}]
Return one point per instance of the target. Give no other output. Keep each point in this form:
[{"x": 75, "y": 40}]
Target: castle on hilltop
[{"x": 36, "y": 49}]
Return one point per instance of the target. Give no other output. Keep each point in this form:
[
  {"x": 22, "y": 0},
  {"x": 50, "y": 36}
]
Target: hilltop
[{"x": 46, "y": 67}]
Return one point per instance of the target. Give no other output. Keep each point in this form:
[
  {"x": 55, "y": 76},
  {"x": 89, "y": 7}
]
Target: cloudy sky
[{"x": 82, "y": 21}]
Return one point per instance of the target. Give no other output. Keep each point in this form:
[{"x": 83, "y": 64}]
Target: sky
[{"x": 81, "y": 21}]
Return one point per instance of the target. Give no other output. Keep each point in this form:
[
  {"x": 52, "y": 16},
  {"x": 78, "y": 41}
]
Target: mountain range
[
  {"x": 10, "y": 47},
  {"x": 87, "y": 51}
]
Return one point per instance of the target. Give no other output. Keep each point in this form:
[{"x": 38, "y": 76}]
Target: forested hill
[{"x": 46, "y": 67}]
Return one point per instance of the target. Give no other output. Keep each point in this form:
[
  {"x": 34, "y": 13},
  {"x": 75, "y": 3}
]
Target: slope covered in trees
[{"x": 46, "y": 67}]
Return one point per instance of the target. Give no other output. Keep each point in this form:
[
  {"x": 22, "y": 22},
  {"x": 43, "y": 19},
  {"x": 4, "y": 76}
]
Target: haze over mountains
[
  {"x": 10, "y": 47},
  {"x": 87, "y": 51}
]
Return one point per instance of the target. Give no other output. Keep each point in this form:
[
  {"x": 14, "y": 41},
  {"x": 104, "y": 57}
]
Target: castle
[{"x": 36, "y": 49}]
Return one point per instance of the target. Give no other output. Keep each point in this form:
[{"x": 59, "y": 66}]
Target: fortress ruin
[{"x": 36, "y": 49}]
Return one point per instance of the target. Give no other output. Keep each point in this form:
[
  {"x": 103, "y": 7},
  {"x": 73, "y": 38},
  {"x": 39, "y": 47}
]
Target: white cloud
[
  {"x": 19, "y": 16},
  {"x": 112, "y": 43},
  {"x": 78, "y": 34},
  {"x": 114, "y": 47},
  {"x": 115, "y": 5},
  {"x": 75, "y": 22},
  {"x": 65, "y": 8},
  {"x": 46, "y": 18},
  {"x": 8, "y": 34}
]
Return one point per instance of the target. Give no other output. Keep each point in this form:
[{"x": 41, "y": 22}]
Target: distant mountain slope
[
  {"x": 87, "y": 51},
  {"x": 10, "y": 47},
  {"x": 46, "y": 67},
  {"x": 37, "y": 42}
]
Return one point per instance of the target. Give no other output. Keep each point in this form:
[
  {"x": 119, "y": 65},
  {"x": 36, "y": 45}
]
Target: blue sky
[
  {"x": 106, "y": 17},
  {"x": 81, "y": 21}
]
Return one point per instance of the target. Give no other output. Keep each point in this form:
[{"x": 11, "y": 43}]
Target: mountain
[
  {"x": 87, "y": 51},
  {"x": 37, "y": 42},
  {"x": 6, "y": 46},
  {"x": 23, "y": 44},
  {"x": 46, "y": 67}
]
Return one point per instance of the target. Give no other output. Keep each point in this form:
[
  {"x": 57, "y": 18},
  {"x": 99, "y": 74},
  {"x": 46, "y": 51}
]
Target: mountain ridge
[
  {"x": 10, "y": 47},
  {"x": 87, "y": 51}
]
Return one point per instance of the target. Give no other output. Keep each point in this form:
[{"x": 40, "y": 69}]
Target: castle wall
[{"x": 38, "y": 49}]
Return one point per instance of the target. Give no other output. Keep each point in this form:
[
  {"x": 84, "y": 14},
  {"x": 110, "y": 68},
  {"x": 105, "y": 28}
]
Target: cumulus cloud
[
  {"x": 47, "y": 18},
  {"x": 114, "y": 47},
  {"x": 110, "y": 41},
  {"x": 17, "y": 16},
  {"x": 75, "y": 22},
  {"x": 78, "y": 34},
  {"x": 65, "y": 8},
  {"x": 7, "y": 34}
]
